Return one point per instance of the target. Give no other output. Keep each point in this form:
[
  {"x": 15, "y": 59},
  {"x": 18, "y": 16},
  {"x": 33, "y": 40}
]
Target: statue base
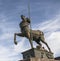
[
  {"x": 37, "y": 54},
  {"x": 38, "y": 59}
]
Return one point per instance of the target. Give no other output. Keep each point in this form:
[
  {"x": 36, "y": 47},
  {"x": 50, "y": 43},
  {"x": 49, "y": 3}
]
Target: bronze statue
[{"x": 32, "y": 35}]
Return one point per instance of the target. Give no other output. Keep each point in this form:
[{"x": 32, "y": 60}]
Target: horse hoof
[
  {"x": 15, "y": 43},
  {"x": 50, "y": 51}
]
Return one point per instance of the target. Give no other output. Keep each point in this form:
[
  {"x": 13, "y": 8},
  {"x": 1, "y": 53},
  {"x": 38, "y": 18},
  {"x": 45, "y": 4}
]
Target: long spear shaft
[{"x": 30, "y": 20}]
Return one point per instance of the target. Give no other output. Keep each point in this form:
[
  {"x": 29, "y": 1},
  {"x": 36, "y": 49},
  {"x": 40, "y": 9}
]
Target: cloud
[
  {"x": 54, "y": 42},
  {"x": 7, "y": 54},
  {"x": 12, "y": 53},
  {"x": 20, "y": 46},
  {"x": 48, "y": 25},
  {"x": 7, "y": 29}
]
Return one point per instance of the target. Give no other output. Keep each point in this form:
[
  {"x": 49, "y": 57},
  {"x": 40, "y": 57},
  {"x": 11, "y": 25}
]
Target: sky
[{"x": 44, "y": 16}]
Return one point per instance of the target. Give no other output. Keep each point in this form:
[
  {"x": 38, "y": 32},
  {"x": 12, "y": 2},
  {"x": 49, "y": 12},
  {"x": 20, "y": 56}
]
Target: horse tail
[{"x": 42, "y": 33}]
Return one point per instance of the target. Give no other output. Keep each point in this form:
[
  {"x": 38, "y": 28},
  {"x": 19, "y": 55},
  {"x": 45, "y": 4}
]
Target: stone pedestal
[
  {"x": 39, "y": 59},
  {"x": 36, "y": 52}
]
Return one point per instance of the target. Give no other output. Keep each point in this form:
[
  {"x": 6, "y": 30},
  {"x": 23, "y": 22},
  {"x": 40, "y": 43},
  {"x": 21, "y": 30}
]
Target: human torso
[{"x": 24, "y": 25}]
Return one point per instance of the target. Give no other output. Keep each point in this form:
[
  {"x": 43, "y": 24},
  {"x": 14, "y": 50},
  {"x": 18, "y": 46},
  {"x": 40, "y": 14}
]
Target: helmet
[{"x": 22, "y": 16}]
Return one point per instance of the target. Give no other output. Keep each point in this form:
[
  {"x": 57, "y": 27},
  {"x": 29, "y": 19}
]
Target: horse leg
[
  {"x": 15, "y": 39},
  {"x": 30, "y": 40},
  {"x": 18, "y": 34},
  {"x": 38, "y": 42},
  {"x": 46, "y": 45},
  {"x": 31, "y": 43},
  {"x": 43, "y": 40}
]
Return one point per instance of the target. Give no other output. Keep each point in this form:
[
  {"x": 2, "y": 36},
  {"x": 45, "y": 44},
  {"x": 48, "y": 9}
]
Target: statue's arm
[{"x": 28, "y": 20}]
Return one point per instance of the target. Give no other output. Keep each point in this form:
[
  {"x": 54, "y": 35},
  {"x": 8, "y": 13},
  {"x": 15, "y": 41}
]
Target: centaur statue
[{"x": 32, "y": 35}]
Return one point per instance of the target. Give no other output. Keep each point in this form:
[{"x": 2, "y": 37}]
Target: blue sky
[{"x": 45, "y": 16}]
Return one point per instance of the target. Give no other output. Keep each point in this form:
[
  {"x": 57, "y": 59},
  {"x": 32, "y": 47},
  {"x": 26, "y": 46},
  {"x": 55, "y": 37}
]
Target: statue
[{"x": 32, "y": 35}]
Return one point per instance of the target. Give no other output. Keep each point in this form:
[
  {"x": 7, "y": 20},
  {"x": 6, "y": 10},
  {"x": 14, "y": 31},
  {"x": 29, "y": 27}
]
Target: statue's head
[{"x": 22, "y": 17}]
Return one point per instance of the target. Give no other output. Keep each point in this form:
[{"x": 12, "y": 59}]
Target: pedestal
[
  {"x": 39, "y": 59},
  {"x": 37, "y": 54}
]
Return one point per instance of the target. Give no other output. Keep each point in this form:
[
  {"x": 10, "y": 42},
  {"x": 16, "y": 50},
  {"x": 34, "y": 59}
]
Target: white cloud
[
  {"x": 6, "y": 36},
  {"x": 12, "y": 53},
  {"x": 50, "y": 25},
  {"x": 20, "y": 46},
  {"x": 7, "y": 54},
  {"x": 54, "y": 42},
  {"x": 7, "y": 29},
  {"x": 7, "y": 32}
]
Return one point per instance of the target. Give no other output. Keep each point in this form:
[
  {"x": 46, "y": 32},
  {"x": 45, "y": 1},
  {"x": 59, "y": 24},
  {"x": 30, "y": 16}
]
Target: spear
[{"x": 30, "y": 23}]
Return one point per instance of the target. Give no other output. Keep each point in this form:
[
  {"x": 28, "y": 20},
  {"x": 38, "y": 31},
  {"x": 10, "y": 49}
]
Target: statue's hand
[{"x": 15, "y": 42}]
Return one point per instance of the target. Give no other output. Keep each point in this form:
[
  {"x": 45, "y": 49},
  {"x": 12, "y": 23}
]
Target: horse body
[{"x": 35, "y": 34}]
